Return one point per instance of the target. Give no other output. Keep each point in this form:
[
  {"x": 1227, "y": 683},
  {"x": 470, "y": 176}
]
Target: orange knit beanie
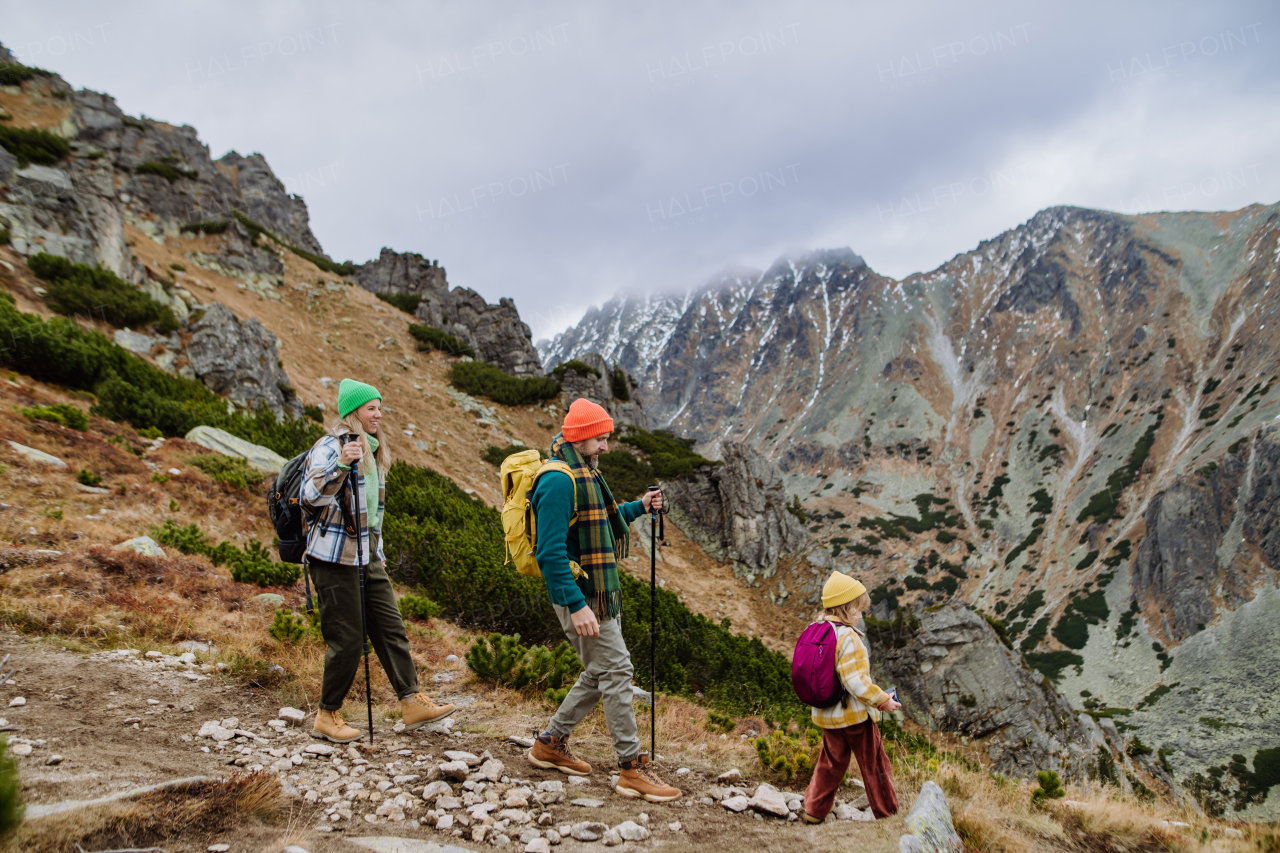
[{"x": 586, "y": 420}]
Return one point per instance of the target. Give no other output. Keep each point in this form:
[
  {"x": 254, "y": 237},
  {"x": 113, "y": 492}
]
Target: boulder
[
  {"x": 144, "y": 545},
  {"x": 953, "y": 674},
  {"x": 261, "y": 458},
  {"x": 631, "y": 831},
  {"x": 33, "y": 455},
  {"x": 930, "y": 824},
  {"x": 588, "y": 831},
  {"x": 240, "y": 360},
  {"x": 770, "y": 800},
  {"x": 267, "y": 600},
  {"x": 738, "y": 511}
]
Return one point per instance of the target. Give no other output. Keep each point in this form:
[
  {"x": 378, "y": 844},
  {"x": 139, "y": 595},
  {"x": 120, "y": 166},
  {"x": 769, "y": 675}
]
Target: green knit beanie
[{"x": 352, "y": 395}]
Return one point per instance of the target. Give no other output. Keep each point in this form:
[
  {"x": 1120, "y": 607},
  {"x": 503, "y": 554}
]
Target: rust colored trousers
[{"x": 861, "y": 742}]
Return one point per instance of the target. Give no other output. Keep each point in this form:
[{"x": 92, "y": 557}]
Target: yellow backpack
[{"x": 519, "y": 473}]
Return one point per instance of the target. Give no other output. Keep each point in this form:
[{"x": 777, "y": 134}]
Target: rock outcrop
[
  {"x": 239, "y": 360},
  {"x": 953, "y": 674},
  {"x": 738, "y": 511},
  {"x": 495, "y": 332},
  {"x": 597, "y": 385}
]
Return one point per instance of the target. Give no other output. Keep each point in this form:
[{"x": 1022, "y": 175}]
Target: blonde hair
[
  {"x": 382, "y": 457},
  {"x": 851, "y": 611}
]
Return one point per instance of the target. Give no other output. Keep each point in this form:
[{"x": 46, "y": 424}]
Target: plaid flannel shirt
[
  {"x": 853, "y": 664},
  {"x": 327, "y": 537}
]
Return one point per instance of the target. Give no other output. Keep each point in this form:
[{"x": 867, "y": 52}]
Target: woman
[
  {"x": 332, "y": 560},
  {"x": 849, "y": 728}
]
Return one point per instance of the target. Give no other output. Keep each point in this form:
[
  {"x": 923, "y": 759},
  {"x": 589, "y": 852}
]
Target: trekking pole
[
  {"x": 364, "y": 629},
  {"x": 653, "y": 629}
]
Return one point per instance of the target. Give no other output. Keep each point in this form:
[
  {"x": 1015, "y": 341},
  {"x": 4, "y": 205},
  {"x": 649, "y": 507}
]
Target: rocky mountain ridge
[{"x": 1067, "y": 425}]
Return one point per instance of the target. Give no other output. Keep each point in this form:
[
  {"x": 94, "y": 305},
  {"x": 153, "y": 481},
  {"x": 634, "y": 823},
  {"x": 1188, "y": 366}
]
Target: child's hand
[{"x": 889, "y": 706}]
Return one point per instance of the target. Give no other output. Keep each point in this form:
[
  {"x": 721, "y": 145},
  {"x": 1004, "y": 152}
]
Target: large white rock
[
  {"x": 490, "y": 771},
  {"x": 736, "y": 804},
  {"x": 770, "y": 800},
  {"x": 262, "y": 458},
  {"x": 133, "y": 341},
  {"x": 292, "y": 716},
  {"x": 33, "y": 455},
  {"x": 930, "y": 824},
  {"x": 144, "y": 545},
  {"x": 468, "y": 758},
  {"x": 631, "y": 831}
]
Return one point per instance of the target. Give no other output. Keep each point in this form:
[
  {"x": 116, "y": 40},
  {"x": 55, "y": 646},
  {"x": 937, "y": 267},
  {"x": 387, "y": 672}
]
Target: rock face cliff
[
  {"x": 1062, "y": 425},
  {"x": 239, "y": 360},
  {"x": 738, "y": 511},
  {"x": 495, "y": 332},
  {"x": 953, "y": 674}
]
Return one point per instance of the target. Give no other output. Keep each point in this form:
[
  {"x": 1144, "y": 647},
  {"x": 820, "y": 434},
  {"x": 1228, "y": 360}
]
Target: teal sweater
[{"x": 552, "y": 503}]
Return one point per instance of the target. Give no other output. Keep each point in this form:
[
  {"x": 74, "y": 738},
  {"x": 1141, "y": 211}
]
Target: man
[{"x": 582, "y": 532}]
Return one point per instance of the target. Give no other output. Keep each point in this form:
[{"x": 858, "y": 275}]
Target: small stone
[
  {"x": 733, "y": 775},
  {"x": 319, "y": 749},
  {"x": 538, "y": 845},
  {"x": 683, "y": 771},
  {"x": 611, "y": 838},
  {"x": 587, "y": 803},
  {"x": 478, "y": 833},
  {"x": 447, "y": 802},
  {"x": 579, "y": 780},
  {"x": 294, "y": 848},
  {"x": 526, "y": 742},
  {"x": 631, "y": 831},
  {"x": 588, "y": 831},
  {"x": 675, "y": 826},
  {"x": 456, "y": 770},
  {"x": 435, "y": 789},
  {"x": 736, "y": 804},
  {"x": 219, "y": 848},
  {"x": 17, "y": 701},
  {"x": 292, "y": 716},
  {"x": 53, "y": 760},
  {"x": 21, "y": 750},
  {"x": 516, "y": 816},
  {"x": 553, "y": 837},
  {"x": 551, "y": 785}
]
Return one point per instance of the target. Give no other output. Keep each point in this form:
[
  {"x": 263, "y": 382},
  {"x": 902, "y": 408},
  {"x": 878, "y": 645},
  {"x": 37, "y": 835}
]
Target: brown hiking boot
[
  {"x": 330, "y": 726},
  {"x": 637, "y": 779},
  {"x": 419, "y": 710},
  {"x": 552, "y": 753}
]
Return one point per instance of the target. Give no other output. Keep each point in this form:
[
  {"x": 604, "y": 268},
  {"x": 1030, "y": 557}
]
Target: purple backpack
[{"x": 813, "y": 668}]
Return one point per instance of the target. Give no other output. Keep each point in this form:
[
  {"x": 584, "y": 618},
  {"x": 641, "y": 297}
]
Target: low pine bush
[
  {"x": 13, "y": 73},
  {"x": 1050, "y": 788},
  {"x": 168, "y": 171},
  {"x": 503, "y": 659},
  {"x": 11, "y": 806},
  {"x": 64, "y": 414},
  {"x": 788, "y": 758},
  {"x": 228, "y": 470},
  {"x": 406, "y": 302},
  {"x": 576, "y": 366},
  {"x": 429, "y": 338},
  {"x": 254, "y": 565},
  {"x": 619, "y": 385},
  {"x": 85, "y": 477},
  {"x": 130, "y": 390},
  {"x": 485, "y": 380},
  {"x": 294, "y": 628},
  {"x": 418, "y": 607},
  {"x": 720, "y": 723},
  {"x": 28, "y": 145},
  {"x": 94, "y": 292},
  {"x": 189, "y": 538},
  {"x": 215, "y": 226}
]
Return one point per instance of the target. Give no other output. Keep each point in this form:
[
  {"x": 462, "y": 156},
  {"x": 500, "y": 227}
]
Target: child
[{"x": 849, "y": 728}]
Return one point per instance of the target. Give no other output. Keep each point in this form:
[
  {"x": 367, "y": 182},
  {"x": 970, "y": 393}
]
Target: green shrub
[
  {"x": 28, "y": 146},
  {"x": 189, "y": 538},
  {"x": 1072, "y": 631},
  {"x": 1102, "y": 506},
  {"x": 229, "y": 470},
  {"x": 485, "y": 380},
  {"x": 406, "y": 302},
  {"x": 94, "y": 292},
  {"x": 503, "y": 659},
  {"x": 670, "y": 455},
  {"x": 5, "y": 237},
  {"x": 64, "y": 414},
  {"x": 1036, "y": 635},
  {"x": 787, "y": 758},
  {"x": 314, "y": 413},
  {"x": 1051, "y": 664},
  {"x": 85, "y": 477},
  {"x": 11, "y": 806},
  {"x": 1050, "y": 788},
  {"x": 212, "y": 226},
  {"x": 619, "y": 384},
  {"x": 1136, "y": 748},
  {"x": 254, "y": 565},
  {"x": 168, "y": 171},
  {"x": 151, "y": 433},
  {"x": 720, "y": 723},
  {"x": 178, "y": 267},
  {"x": 451, "y": 546},
  {"x": 293, "y": 628},
  {"x": 13, "y": 73},
  {"x": 576, "y": 366},
  {"x": 430, "y": 338},
  {"x": 418, "y": 607},
  {"x": 494, "y": 454}
]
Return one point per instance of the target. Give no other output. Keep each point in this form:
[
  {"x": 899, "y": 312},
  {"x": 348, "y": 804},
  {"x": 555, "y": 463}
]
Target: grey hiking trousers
[{"x": 606, "y": 675}]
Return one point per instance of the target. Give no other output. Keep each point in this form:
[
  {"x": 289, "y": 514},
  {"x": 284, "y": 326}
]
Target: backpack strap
[{"x": 531, "y": 523}]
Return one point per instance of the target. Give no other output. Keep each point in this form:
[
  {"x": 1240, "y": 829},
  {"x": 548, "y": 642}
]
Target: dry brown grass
[{"x": 153, "y": 817}]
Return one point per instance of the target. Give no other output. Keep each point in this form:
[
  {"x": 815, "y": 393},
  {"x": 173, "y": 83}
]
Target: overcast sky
[{"x": 561, "y": 153}]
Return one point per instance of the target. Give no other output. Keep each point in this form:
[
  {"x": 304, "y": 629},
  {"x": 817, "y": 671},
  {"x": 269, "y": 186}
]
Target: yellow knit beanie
[{"x": 840, "y": 589}]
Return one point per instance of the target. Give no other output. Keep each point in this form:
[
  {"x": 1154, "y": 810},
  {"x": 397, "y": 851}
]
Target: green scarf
[
  {"x": 371, "y": 476},
  {"x": 603, "y": 537}
]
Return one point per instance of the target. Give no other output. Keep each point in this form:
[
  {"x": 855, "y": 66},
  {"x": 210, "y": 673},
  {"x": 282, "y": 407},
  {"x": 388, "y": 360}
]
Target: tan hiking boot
[
  {"x": 330, "y": 726},
  {"x": 552, "y": 753},
  {"x": 419, "y": 710},
  {"x": 637, "y": 779}
]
